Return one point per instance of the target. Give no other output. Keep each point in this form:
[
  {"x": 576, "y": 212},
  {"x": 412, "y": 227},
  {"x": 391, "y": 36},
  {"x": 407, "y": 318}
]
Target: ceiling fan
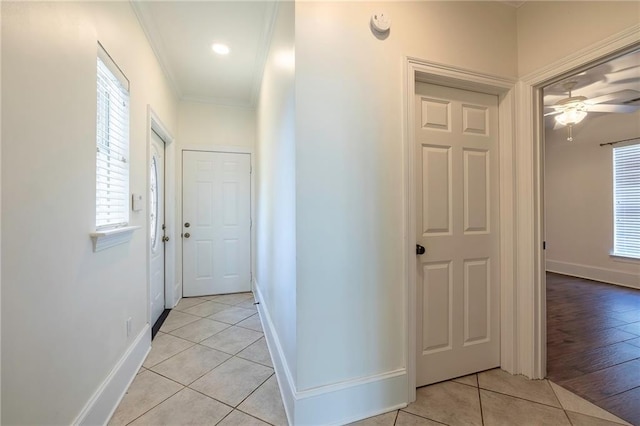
[{"x": 573, "y": 109}]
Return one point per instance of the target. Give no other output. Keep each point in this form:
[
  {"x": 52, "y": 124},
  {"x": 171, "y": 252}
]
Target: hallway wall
[
  {"x": 64, "y": 307},
  {"x": 275, "y": 221},
  {"x": 351, "y": 252},
  {"x": 569, "y": 26}
]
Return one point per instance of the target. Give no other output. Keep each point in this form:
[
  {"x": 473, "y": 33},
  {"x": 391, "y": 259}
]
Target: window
[
  {"x": 626, "y": 200},
  {"x": 112, "y": 158}
]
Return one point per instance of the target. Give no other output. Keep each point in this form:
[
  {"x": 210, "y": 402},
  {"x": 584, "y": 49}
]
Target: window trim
[
  {"x": 112, "y": 234},
  {"x": 622, "y": 255}
]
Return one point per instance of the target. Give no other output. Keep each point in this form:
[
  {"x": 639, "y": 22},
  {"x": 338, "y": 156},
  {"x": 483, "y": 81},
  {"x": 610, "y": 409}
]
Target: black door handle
[{"x": 420, "y": 249}]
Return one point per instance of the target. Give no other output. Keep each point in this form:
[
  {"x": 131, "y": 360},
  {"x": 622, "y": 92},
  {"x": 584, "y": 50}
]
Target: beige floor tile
[
  {"x": 163, "y": 347},
  {"x": 253, "y": 323},
  {"x": 232, "y": 340},
  {"x": 248, "y": 304},
  {"x": 177, "y": 319},
  {"x": 407, "y": 419},
  {"x": 207, "y": 308},
  {"x": 188, "y": 302},
  {"x": 572, "y": 402},
  {"x": 147, "y": 390},
  {"x": 584, "y": 420},
  {"x": 191, "y": 364},
  {"x": 449, "y": 402},
  {"x": 499, "y": 409},
  {"x": 386, "y": 419},
  {"x": 233, "y": 299},
  {"x": 187, "y": 407},
  {"x": 534, "y": 390},
  {"x": 266, "y": 403},
  {"x": 199, "y": 330},
  {"x": 471, "y": 380},
  {"x": 257, "y": 352},
  {"x": 238, "y": 418},
  {"x": 232, "y": 381},
  {"x": 232, "y": 315}
]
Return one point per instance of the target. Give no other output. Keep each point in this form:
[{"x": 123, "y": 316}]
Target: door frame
[
  {"x": 154, "y": 124},
  {"x": 227, "y": 149},
  {"x": 531, "y": 268},
  {"x": 504, "y": 88}
]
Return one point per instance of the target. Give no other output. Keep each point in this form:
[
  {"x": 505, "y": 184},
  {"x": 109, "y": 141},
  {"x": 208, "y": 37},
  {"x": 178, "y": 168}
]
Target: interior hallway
[
  {"x": 593, "y": 342},
  {"x": 210, "y": 365}
]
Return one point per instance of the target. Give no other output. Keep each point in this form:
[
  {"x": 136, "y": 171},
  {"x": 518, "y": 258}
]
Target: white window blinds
[
  {"x": 112, "y": 158},
  {"x": 626, "y": 200}
]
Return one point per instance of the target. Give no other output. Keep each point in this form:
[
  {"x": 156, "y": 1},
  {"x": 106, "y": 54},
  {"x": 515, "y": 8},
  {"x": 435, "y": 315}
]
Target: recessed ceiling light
[{"x": 220, "y": 49}]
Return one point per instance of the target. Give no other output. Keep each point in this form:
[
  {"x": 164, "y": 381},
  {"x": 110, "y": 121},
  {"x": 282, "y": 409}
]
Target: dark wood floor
[{"x": 593, "y": 342}]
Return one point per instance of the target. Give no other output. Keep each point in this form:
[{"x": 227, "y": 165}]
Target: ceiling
[
  {"x": 182, "y": 32},
  {"x": 619, "y": 77}
]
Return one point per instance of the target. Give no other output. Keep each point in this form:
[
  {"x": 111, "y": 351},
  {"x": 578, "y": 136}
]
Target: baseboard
[
  {"x": 280, "y": 365},
  {"x": 333, "y": 404},
  {"x": 352, "y": 400},
  {"x": 105, "y": 400},
  {"x": 610, "y": 276}
]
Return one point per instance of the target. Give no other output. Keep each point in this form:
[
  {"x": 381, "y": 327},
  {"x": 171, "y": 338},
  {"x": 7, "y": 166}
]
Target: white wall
[
  {"x": 276, "y": 177},
  {"x": 349, "y": 161},
  {"x": 548, "y": 31},
  {"x": 204, "y": 125},
  {"x": 579, "y": 199},
  {"x": 64, "y": 307}
]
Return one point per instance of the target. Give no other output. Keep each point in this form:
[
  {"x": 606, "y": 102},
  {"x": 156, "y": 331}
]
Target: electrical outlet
[{"x": 128, "y": 326}]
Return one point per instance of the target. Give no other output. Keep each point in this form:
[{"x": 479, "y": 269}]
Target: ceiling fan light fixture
[{"x": 571, "y": 116}]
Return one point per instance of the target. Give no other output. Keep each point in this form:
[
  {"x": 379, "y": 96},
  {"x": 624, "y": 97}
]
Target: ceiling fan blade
[
  {"x": 552, "y": 113},
  {"x": 620, "y": 96},
  {"x": 613, "y": 108}
]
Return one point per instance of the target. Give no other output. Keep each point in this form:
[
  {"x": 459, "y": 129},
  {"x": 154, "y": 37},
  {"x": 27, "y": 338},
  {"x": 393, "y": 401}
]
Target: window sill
[
  {"x": 108, "y": 238},
  {"x": 624, "y": 258}
]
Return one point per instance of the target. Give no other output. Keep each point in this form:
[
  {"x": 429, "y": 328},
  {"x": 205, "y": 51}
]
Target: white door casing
[
  {"x": 156, "y": 223},
  {"x": 216, "y": 206},
  {"x": 457, "y": 221}
]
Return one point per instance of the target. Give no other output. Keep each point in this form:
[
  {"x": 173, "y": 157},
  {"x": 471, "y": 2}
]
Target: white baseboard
[
  {"x": 353, "y": 400},
  {"x": 333, "y": 404},
  {"x": 280, "y": 365},
  {"x": 610, "y": 276},
  {"x": 105, "y": 400}
]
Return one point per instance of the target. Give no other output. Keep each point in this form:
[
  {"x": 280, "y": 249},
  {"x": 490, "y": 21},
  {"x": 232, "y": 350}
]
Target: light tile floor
[{"x": 209, "y": 364}]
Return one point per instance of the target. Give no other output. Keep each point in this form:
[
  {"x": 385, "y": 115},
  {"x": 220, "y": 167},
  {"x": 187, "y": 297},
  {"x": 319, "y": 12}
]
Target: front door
[
  {"x": 458, "y": 277},
  {"x": 216, "y": 216},
  {"x": 156, "y": 221}
]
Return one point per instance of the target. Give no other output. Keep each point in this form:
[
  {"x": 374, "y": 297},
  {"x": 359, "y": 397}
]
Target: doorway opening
[
  {"x": 160, "y": 207},
  {"x": 592, "y": 316}
]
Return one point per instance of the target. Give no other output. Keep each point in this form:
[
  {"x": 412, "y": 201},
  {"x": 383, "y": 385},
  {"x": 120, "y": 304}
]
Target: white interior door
[
  {"x": 458, "y": 282},
  {"x": 156, "y": 216},
  {"x": 216, "y": 216}
]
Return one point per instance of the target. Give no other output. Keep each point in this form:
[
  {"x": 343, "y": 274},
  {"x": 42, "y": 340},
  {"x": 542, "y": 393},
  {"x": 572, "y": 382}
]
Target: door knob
[
  {"x": 187, "y": 224},
  {"x": 165, "y": 239},
  {"x": 420, "y": 249},
  {"x": 187, "y": 235}
]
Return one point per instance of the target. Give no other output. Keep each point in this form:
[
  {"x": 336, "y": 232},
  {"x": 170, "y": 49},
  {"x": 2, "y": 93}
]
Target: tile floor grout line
[
  {"x": 253, "y": 391},
  {"x": 523, "y": 399},
  {"x": 480, "y": 403},
  {"x": 255, "y": 417},
  {"x": 395, "y": 420},
  {"x": 179, "y": 390},
  {"x": 423, "y": 417}
]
